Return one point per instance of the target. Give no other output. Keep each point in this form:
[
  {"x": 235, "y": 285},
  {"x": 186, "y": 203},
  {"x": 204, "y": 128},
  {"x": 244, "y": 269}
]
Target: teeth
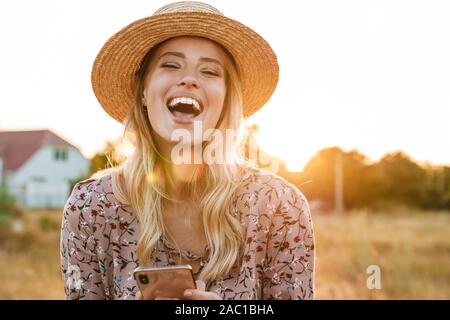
[{"x": 185, "y": 100}]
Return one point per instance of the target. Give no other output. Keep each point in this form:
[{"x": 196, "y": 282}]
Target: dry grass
[
  {"x": 29, "y": 263},
  {"x": 411, "y": 248}
]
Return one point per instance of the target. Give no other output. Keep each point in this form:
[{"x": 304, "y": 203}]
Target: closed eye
[
  {"x": 170, "y": 65},
  {"x": 212, "y": 73},
  {"x": 176, "y": 66}
]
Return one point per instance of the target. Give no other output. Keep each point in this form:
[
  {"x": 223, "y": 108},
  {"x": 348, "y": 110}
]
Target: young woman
[{"x": 190, "y": 72}]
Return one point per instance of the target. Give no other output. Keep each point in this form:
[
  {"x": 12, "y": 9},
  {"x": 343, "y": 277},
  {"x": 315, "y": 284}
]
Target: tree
[
  {"x": 363, "y": 182},
  {"x": 106, "y": 158},
  {"x": 405, "y": 179},
  {"x": 436, "y": 193}
]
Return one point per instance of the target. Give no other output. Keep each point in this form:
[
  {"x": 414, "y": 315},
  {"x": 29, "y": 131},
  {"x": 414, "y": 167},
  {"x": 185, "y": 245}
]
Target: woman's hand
[
  {"x": 195, "y": 294},
  {"x": 200, "y": 293}
]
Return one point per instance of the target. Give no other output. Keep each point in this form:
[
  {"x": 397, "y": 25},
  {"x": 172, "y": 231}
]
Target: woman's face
[{"x": 185, "y": 83}]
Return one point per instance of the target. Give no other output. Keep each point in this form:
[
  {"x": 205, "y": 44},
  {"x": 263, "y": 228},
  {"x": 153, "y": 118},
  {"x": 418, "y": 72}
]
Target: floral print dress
[{"x": 99, "y": 239}]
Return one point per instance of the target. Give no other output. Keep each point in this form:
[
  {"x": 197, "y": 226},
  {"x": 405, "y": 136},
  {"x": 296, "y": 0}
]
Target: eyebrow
[{"x": 181, "y": 55}]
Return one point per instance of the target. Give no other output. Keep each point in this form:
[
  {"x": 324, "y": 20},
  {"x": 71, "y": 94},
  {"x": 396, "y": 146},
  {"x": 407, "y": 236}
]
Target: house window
[
  {"x": 56, "y": 154},
  {"x": 60, "y": 154},
  {"x": 38, "y": 179}
]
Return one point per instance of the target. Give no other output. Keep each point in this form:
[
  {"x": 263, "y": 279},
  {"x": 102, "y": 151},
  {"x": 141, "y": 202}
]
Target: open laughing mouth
[{"x": 184, "y": 109}]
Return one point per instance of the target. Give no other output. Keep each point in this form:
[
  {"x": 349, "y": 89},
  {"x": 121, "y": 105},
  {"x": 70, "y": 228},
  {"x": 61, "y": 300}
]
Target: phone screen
[{"x": 165, "y": 282}]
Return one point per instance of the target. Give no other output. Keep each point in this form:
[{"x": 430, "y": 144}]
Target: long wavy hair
[{"x": 142, "y": 180}]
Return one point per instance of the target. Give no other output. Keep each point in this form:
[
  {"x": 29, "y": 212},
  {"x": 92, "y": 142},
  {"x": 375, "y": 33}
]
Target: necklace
[{"x": 186, "y": 254}]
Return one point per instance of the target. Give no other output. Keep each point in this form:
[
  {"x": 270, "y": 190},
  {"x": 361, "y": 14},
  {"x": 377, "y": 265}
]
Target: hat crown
[{"x": 187, "y": 6}]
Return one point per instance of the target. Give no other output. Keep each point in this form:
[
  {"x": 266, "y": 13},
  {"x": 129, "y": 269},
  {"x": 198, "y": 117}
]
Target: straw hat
[{"x": 114, "y": 69}]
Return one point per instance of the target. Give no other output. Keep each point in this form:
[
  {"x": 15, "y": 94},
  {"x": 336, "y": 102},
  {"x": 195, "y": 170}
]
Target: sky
[{"x": 367, "y": 75}]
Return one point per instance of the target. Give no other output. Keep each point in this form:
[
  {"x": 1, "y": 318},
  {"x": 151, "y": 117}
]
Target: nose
[{"x": 188, "y": 81}]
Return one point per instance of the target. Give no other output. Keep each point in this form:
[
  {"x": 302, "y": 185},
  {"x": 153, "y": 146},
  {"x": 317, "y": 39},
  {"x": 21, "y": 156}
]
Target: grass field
[{"x": 412, "y": 250}]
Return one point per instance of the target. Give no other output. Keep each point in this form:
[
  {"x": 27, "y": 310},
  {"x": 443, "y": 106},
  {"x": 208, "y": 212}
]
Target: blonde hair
[{"x": 141, "y": 181}]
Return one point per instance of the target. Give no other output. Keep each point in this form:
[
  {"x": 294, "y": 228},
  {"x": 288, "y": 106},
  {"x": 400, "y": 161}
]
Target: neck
[{"x": 181, "y": 173}]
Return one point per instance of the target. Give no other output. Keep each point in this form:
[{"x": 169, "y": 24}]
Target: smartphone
[{"x": 165, "y": 282}]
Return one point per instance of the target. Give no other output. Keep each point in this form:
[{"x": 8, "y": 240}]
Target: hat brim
[{"x": 114, "y": 69}]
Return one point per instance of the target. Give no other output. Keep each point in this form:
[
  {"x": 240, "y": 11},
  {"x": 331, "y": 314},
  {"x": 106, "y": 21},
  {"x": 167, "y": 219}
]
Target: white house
[{"x": 38, "y": 167}]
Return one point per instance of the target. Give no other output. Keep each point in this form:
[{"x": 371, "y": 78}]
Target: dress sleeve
[
  {"x": 79, "y": 262},
  {"x": 289, "y": 262}
]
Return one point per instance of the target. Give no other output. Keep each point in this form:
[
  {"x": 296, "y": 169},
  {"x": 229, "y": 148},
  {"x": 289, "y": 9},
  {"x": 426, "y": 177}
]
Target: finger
[
  {"x": 163, "y": 298},
  {"x": 201, "y": 285},
  {"x": 195, "y": 294},
  {"x": 138, "y": 296}
]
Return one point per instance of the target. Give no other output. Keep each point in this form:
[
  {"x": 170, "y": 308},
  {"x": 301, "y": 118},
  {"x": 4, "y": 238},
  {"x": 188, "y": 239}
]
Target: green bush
[
  {"x": 47, "y": 224},
  {"x": 8, "y": 206}
]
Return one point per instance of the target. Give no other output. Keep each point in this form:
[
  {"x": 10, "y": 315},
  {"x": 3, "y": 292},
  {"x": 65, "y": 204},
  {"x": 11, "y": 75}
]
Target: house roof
[{"x": 16, "y": 147}]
